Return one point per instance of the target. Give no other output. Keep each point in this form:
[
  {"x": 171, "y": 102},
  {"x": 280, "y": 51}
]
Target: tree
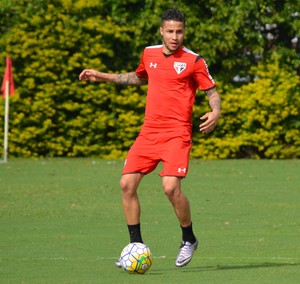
[
  {"x": 51, "y": 41},
  {"x": 51, "y": 113}
]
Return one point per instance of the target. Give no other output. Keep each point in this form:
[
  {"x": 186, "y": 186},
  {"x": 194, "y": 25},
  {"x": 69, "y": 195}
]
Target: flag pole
[
  {"x": 6, "y": 118},
  {"x": 7, "y": 89}
]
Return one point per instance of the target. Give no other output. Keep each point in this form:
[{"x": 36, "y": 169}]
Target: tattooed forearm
[
  {"x": 210, "y": 91},
  {"x": 214, "y": 99},
  {"x": 129, "y": 79},
  {"x": 124, "y": 79}
]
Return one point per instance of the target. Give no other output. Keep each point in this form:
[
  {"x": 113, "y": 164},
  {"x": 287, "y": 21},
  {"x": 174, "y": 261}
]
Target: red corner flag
[{"x": 8, "y": 76}]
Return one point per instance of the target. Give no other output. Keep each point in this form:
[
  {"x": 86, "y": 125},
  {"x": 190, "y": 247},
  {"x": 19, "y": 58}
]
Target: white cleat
[
  {"x": 185, "y": 253},
  {"x": 118, "y": 263}
]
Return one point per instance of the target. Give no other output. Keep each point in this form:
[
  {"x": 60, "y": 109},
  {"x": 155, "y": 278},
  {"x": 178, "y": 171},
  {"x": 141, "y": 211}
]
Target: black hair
[{"x": 173, "y": 15}]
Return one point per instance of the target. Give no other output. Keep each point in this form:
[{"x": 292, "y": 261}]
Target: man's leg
[
  {"x": 180, "y": 203},
  {"x": 129, "y": 184}
]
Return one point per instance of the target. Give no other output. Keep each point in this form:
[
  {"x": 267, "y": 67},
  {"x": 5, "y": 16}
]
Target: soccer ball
[{"x": 136, "y": 258}]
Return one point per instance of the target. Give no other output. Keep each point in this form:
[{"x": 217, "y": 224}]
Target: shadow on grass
[
  {"x": 160, "y": 271},
  {"x": 226, "y": 267},
  {"x": 239, "y": 266}
]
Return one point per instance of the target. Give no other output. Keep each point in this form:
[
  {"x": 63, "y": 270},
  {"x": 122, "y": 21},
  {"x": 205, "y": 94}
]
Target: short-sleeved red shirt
[
  {"x": 172, "y": 84},
  {"x": 166, "y": 134}
]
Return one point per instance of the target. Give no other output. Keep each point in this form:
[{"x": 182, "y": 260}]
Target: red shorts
[{"x": 172, "y": 148}]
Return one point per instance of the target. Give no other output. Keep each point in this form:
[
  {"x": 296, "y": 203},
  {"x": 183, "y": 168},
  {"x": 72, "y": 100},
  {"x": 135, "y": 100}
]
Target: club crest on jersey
[{"x": 179, "y": 67}]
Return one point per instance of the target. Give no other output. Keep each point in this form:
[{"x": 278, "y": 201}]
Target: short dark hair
[{"x": 173, "y": 15}]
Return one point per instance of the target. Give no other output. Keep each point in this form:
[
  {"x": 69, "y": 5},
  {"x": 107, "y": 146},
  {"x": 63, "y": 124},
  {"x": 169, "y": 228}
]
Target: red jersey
[{"x": 172, "y": 84}]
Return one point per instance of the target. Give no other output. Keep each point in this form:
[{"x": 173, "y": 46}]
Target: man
[{"x": 174, "y": 74}]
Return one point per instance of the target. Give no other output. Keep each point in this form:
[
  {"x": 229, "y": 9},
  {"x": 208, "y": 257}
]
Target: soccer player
[{"x": 173, "y": 73}]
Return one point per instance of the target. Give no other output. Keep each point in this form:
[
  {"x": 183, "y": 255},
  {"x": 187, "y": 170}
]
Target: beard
[{"x": 170, "y": 47}]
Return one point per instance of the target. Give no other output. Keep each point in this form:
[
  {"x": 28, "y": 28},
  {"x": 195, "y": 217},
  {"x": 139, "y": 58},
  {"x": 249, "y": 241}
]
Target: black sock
[
  {"x": 135, "y": 233},
  {"x": 188, "y": 235}
]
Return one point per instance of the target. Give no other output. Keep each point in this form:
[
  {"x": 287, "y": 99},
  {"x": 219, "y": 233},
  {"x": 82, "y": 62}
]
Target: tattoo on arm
[
  {"x": 210, "y": 91},
  {"x": 214, "y": 99},
  {"x": 129, "y": 79}
]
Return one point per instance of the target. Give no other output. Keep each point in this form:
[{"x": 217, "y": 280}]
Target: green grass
[{"x": 61, "y": 221}]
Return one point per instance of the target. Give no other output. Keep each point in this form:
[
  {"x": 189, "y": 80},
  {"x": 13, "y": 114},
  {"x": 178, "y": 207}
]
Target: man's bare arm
[
  {"x": 214, "y": 99},
  {"x": 211, "y": 118},
  {"x": 130, "y": 79},
  {"x": 122, "y": 79}
]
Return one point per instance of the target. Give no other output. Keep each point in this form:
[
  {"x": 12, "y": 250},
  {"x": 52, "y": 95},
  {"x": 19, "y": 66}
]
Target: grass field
[{"x": 61, "y": 221}]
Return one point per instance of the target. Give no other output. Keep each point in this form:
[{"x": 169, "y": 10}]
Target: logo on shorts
[
  {"x": 181, "y": 170},
  {"x": 179, "y": 67}
]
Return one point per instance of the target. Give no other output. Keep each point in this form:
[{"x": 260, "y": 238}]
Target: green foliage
[
  {"x": 260, "y": 119},
  {"x": 231, "y": 35},
  {"x": 52, "y": 41},
  {"x": 51, "y": 113}
]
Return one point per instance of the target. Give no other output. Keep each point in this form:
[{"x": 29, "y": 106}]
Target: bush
[{"x": 260, "y": 119}]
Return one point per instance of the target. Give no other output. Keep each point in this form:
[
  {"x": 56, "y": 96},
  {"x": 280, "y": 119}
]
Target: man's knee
[
  {"x": 130, "y": 182},
  {"x": 171, "y": 187}
]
